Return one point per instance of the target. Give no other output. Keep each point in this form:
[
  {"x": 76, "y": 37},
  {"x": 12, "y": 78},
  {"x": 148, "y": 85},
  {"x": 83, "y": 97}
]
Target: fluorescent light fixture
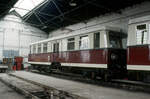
[{"x": 72, "y": 3}]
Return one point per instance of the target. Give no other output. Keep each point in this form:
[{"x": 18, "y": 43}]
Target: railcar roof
[
  {"x": 80, "y": 32},
  {"x": 139, "y": 19}
]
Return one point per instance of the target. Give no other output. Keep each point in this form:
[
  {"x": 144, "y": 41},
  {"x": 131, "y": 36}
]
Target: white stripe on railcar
[
  {"x": 85, "y": 65},
  {"x": 138, "y": 67},
  {"x": 74, "y": 64},
  {"x": 40, "y": 63}
]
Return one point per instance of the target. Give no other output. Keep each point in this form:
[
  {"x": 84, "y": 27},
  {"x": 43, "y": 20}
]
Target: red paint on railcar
[
  {"x": 42, "y": 57},
  {"x": 95, "y": 56},
  {"x": 138, "y": 55}
]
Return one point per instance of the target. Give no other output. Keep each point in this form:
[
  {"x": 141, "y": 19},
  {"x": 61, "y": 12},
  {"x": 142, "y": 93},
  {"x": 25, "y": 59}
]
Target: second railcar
[{"x": 138, "y": 49}]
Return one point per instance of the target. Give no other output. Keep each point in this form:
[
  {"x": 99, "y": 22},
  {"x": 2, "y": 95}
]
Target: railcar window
[
  {"x": 84, "y": 42},
  {"x": 45, "y": 48},
  {"x": 49, "y": 47},
  {"x": 71, "y": 44},
  {"x": 141, "y": 34},
  {"x": 64, "y": 45},
  {"x": 30, "y": 49},
  {"x": 39, "y": 48},
  {"x": 56, "y": 47},
  {"x": 96, "y": 40},
  {"x": 115, "y": 40},
  {"x": 34, "y": 48}
]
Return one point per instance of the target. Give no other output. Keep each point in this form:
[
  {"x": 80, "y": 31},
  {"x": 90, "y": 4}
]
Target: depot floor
[
  {"x": 81, "y": 89},
  {"x": 8, "y": 93}
]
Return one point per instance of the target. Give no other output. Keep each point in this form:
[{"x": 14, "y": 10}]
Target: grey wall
[
  {"x": 113, "y": 19},
  {"x": 15, "y": 36}
]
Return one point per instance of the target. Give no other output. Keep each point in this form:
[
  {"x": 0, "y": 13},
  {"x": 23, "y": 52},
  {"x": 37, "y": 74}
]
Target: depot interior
[{"x": 23, "y": 22}]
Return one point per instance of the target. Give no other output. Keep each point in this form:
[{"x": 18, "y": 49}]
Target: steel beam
[{"x": 70, "y": 10}]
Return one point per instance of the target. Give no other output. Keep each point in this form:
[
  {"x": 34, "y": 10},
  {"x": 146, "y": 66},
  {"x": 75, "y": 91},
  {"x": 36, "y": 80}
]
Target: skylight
[{"x": 24, "y": 6}]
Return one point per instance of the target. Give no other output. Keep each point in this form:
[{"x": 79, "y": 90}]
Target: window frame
[
  {"x": 45, "y": 45},
  {"x": 94, "y": 34},
  {"x": 136, "y": 33},
  {"x": 80, "y": 36},
  {"x": 34, "y": 48},
  {"x": 56, "y": 47},
  {"x": 119, "y": 39},
  {"x": 30, "y": 47},
  {"x": 39, "y": 47},
  {"x": 73, "y": 41}
]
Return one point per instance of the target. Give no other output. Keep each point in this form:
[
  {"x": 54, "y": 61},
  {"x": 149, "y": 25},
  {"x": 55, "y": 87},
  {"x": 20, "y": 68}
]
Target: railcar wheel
[
  {"x": 84, "y": 74},
  {"x": 50, "y": 70},
  {"x": 107, "y": 77},
  {"x": 55, "y": 65},
  {"x": 93, "y": 75}
]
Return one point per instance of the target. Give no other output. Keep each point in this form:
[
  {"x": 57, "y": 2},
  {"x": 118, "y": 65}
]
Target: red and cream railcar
[
  {"x": 138, "y": 51},
  {"x": 97, "y": 52}
]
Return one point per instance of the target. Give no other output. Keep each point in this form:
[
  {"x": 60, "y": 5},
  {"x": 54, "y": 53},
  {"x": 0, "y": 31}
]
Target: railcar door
[
  {"x": 56, "y": 48},
  {"x": 116, "y": 55}
]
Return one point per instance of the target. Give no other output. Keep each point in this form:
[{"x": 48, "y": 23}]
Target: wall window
[
  {"x": 34, "y": 48},
  {"x": 141, "y": 34},
  {"x": 84, "y": 42},
  {"x": 96, "y": 40},
  {"x": 45, "y": 48},
  {"x": 39, "y": 48},
  {"x": 71, "y": 44},
  {"x": 56, "y": 47}
]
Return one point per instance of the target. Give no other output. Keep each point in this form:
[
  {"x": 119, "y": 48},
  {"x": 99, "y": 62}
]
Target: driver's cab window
[
  {"x": 116, "y": 39},
  {"x": 141, "y": 34}
]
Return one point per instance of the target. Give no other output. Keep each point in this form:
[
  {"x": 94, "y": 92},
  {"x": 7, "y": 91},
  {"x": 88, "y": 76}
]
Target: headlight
[{"x": 113, "y": 56}]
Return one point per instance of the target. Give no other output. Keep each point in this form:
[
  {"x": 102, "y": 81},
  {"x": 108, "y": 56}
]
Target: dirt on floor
[{"x": 8, "y": 93}]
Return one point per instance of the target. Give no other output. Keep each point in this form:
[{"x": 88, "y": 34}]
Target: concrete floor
[
  {"x": 8, "y": 93},
  {"x": 84, "y": 90}
]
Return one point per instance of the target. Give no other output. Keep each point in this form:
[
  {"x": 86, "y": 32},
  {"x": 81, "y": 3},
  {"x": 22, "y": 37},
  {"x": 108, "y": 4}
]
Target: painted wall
[
  {"x": 16, "y": 35},
  {"x": 113, "y": 19}
]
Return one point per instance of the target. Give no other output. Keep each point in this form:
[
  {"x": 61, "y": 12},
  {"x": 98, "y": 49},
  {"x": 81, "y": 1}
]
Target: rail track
[
  {"x": 115, "y": 83},
  {"x": 33, "y": 90}
]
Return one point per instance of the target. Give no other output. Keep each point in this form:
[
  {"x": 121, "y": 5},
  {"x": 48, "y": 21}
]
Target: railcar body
[
  {"x": 98, "y": 52},
  {"x": 138, "y": 50}
]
